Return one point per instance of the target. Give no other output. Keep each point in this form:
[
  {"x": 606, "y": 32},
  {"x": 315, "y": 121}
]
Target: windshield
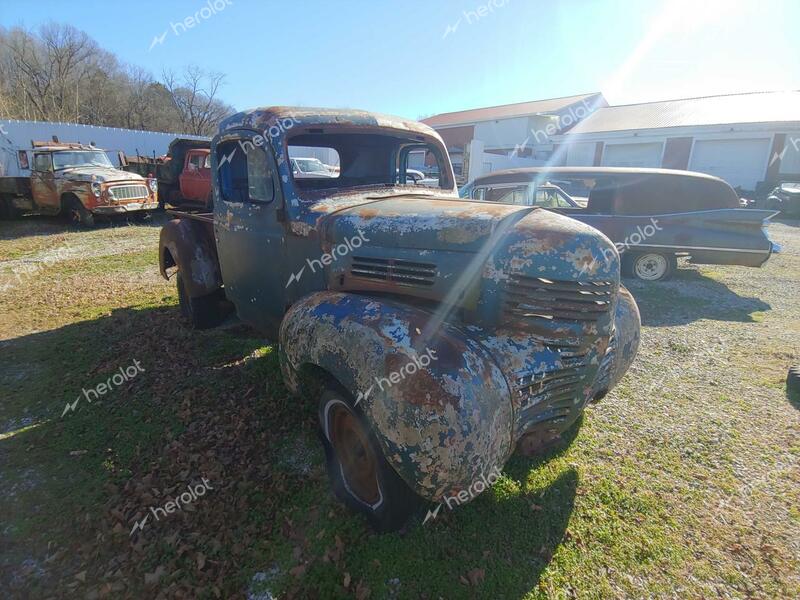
[
  {"x": 364, "y": 159},
  {"x": 66, "y": 160},
  {"x": 310, "y": 165}
]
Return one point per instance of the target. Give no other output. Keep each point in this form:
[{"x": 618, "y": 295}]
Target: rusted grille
[
  {"x": 549, "y": 395},
  {"x": 128, "y": 192},
  {"x": 541, "y": 298},
  {"x": 394, "y": 270}
]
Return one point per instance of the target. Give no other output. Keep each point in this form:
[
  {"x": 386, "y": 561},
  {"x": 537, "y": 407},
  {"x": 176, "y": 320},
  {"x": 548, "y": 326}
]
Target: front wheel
[
  {"x": 360, "y": 475},
  {"x": 651, "y": 266},
  {"x": 77, "y": 214}
]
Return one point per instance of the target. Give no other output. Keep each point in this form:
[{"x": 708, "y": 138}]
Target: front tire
[
  {"x": 77, "y": 214},
  {"x": 360, "y": 475},
  {"x": 202, "y": 312},
  {"x": 651, "y": 266}
]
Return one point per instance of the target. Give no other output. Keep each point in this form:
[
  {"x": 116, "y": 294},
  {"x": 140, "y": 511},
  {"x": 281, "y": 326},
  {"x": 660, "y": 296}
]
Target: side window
[
  {"x": 548, "y": 198},
  {"x": 207, "y": 162},
  {"x": 23, "y": 159},
  {"x": 260, "y": 183},
  {"x": 244, "y": 173},
  {"x": 194, "y": 162},
  {"x": 508, "y": 195},
  {"x": 478, "y": 193},
  {"x": 42, "y": 162}
]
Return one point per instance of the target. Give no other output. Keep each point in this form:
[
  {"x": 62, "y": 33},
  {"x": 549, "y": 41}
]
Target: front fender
[
  {"x": 189, "y": 246},
  {"x": 442, "y": 424},
  {"x": 624, "y": 344}
]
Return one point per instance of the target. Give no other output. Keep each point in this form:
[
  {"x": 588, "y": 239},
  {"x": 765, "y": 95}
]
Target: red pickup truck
[{"x": 184, "y": 174}]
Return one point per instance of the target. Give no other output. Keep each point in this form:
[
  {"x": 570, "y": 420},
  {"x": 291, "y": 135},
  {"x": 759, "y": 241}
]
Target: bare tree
[
  {"x": 194, "y": 97},
  {"x": 58, "y": 73}
]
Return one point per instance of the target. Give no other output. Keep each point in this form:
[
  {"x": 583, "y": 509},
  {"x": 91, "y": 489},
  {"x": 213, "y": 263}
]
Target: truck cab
[
  {"x": 195, "y": 177},
  {"x": 442, "y": 333}
]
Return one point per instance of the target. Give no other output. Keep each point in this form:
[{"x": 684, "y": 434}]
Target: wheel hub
[{"x": 355, "y": 454}]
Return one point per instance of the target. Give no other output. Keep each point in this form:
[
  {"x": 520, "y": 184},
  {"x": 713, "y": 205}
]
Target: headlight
[
  {"x": 154, "y": 185},
  {"x": 96, "y": 189}
]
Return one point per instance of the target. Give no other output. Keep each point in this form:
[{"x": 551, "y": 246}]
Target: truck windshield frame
[
  {"x": 367, "y": 159},
  {"x": 94, "y": 158}
]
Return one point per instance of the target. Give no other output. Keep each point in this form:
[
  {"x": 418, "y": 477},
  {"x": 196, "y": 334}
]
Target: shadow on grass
[
  {"x": 212, "y": 404},
  {"x": 690, "y": 296}
]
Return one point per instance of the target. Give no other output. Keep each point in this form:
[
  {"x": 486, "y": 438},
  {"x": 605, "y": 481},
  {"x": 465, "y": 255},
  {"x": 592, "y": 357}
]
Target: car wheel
[
  {"x": 793, "y": 382},
  {"x": 201, "y": 312},
  {"x": 7, "y": 209},
  {"x": 360, "y": 475},
  {"x": 652, "y": 266},
  {"x": 77, "y": 214}
]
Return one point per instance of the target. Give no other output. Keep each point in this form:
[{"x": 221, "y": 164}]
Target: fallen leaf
[{"x": 476, "y": 576}]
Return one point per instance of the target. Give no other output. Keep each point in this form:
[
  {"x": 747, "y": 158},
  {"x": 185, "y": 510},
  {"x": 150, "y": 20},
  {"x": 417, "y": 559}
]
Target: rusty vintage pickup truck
[
  {"x": 443, "y": 332},
  {"x": 77, "y": 181}
]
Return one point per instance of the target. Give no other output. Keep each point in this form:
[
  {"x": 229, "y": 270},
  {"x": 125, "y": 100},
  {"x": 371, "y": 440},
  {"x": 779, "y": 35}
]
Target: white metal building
[{"x": 750, "y": 140}]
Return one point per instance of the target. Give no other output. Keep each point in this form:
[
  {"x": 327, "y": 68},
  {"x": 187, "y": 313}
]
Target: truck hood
[
  {"x": 99, "y": 174},
  {"x": 420, "y": 223}
]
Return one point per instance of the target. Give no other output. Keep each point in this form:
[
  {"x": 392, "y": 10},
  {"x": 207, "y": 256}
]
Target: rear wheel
[
  {"x": 7, "y": 208},
  {"x": 360, "y": 475},
  {"x": 202, "y": 312},
  {"x": 793, "y": 382},
  {"x": 651, "y": 266}
]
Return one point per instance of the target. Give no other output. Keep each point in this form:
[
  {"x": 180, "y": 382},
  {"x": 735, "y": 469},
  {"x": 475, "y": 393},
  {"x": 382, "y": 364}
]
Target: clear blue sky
[{"x": 400, "y": 58}]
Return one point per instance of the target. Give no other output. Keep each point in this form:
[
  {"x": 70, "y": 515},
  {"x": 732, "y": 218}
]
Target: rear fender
[
  {"x": 441, "y": 422},
  {"x": 189, "y": 246}
]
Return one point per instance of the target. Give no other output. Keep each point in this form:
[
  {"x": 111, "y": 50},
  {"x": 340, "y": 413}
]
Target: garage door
[
  {"x": 739, "y": 162},
  {"x": 580, "y": 154},
  {"x": 632, "y": 155}
]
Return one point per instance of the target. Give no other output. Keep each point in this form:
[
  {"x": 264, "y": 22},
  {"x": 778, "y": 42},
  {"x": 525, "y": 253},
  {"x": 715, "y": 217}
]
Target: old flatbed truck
[
  {"x": 74, "y": 180},
  {"x": 443, "y": 332}
]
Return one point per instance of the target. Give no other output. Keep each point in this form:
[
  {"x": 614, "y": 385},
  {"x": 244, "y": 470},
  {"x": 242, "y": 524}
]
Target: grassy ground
[{"x": 684, "y": 481}]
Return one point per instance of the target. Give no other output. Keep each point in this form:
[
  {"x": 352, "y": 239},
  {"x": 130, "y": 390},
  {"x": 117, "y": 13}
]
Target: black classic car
[
  {"x": 652, "y": 215},
  {"x": 786, "y": 199}
]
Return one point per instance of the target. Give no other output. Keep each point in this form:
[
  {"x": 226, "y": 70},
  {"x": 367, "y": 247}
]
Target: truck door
[
  {"x": 249, "y": 230},
  {"x": 191, "y": 177},
  {"x": 43, "y": 184}
]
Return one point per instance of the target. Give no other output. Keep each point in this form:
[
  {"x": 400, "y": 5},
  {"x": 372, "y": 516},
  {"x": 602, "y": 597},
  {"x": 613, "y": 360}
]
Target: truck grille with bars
[
  {"x": 549, "y": 396},
  {"x": 528, "y": 299},
  {"x": 128, "y": 192},
  {"x": 393, "y": 270}
]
